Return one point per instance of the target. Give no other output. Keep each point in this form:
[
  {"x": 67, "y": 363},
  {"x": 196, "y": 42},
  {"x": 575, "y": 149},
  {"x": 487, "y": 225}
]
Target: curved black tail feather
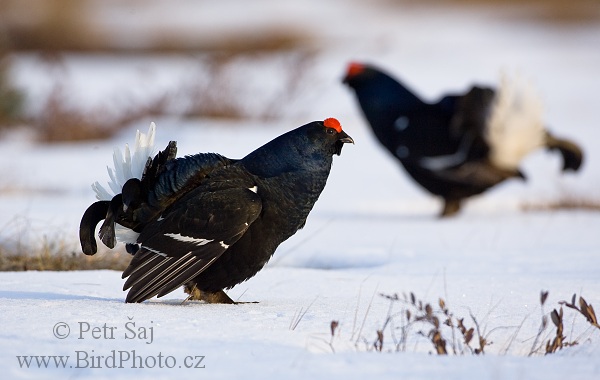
[{"x": 87, "y": 228}]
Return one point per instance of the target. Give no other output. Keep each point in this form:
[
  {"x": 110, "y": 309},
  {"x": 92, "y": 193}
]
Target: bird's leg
[
  {"x": 451, "y": 207},
  {"x": 196, "y": 294},
  {"x": 217, "y": 297}
]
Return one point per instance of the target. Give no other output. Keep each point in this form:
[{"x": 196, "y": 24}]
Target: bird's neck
[
  {"x": 289, "y": 172},
  {"x": 279, "y": 157},
  {"x": 384, "y": 101},
  {"x": 295, "y": 194}
]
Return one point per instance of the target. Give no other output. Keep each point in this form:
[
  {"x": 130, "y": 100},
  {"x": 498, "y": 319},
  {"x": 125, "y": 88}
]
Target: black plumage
[
  {"x": 448, "y": 147},
  {"x": 209, "y": 222}
]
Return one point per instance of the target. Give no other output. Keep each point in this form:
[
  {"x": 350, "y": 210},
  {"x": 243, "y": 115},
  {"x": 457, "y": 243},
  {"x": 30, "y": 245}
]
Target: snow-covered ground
[{"x": 372, "y": 231}]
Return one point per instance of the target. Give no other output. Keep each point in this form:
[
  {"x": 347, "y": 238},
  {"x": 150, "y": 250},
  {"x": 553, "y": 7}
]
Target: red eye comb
[
  {"x": 355, "y": 68},
  {"x": 333, "y": 124}
]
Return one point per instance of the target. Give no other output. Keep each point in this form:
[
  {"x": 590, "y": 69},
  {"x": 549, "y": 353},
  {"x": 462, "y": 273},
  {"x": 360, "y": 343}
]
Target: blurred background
[
  {"x": 78, "y": 77},
  {"x": 85, "y": 69}
]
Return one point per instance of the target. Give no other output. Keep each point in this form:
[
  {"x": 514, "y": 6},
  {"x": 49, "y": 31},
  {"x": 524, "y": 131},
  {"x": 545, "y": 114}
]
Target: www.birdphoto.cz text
[{"x": 115, "y": 359}]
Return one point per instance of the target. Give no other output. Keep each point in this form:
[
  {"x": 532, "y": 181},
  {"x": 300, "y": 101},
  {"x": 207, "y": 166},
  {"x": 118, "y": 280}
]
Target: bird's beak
[{"x": 343, "y": 138}]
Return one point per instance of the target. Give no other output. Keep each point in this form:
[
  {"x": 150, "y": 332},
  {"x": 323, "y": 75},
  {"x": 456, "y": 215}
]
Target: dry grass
[
  {"x": 448, "y": 334},
  {"x": 557, "y": 316},
  {"x": 299, "y": 315},
  {"x": 57, "y": 26},
  {"x": 58, "y": 121},
  {"x": 49, "y": 25},
  {"x": 23, "y": 248},
  {"x": 216, "y": 90},
  {"x": 50, "y": 260},
  {"x": 546, "y": 11},
  {"x": 73, "y": 25},
  {"x": 58, "y": 257},
  {"x": 219, "y": 91},
  {"x": 11, "y": 99},
  {"x": 61, "y": 25},
  {"x": 566, "y": 202},
  {"x": 553, "y": 343}
]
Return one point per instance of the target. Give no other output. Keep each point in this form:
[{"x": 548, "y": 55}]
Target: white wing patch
[
  {"x": 402, "y": 123},
  {"x": 253, "y": 189},
  {"x": 155, "y": 251},
  {"x": 402, "y": 151},
  {"x": 449, "y": 160},
  {"x": 189, "y": 239},
  {"x": 223, "y": 245}
]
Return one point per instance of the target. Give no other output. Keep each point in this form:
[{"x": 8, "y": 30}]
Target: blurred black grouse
[
  {"x": 206, "y": 221},
  {"x": 463, "y": 144}
]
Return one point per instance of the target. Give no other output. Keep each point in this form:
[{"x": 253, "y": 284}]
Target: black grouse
[
  {"x": 463, "y": 144},
  {"x": 206, "y": 221}
]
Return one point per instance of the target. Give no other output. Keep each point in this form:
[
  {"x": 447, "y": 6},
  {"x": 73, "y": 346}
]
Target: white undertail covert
[
  {"x": 515, "y": 126},
  {"x": 127, "y": 166}
]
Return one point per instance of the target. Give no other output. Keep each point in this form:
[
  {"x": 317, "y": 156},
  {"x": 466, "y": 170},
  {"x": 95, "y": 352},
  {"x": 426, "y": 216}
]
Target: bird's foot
[
  {"x": 451, "y": 207},
  {"x": 220, "y": 296}
]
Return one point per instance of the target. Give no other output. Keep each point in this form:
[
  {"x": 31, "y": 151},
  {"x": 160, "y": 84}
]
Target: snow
[{"x": 372, "y": 231}]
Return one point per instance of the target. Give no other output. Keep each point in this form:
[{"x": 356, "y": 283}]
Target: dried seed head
[
  {"x": 334, "y": 325},
  {"x": 556, "y": 318},
  {"x": 543, "y": 297}
]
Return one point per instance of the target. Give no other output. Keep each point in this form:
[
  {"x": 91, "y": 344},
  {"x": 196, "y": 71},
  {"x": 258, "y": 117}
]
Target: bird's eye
[{"x": 330, "y": 131}]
